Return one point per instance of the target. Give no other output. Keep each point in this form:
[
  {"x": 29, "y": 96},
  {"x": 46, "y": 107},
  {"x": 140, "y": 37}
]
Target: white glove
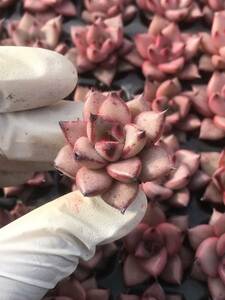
[
  {"x": 44, "y": 246},
  {"x": 29, "y": 140}
]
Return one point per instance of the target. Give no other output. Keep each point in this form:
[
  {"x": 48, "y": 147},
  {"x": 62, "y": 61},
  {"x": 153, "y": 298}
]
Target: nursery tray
[{"x": 131, "y": 83}]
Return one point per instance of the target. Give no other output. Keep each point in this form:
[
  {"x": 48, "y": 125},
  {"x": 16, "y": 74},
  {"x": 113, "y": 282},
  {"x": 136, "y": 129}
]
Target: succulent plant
[
  {"x": 213, "y": 166},
  {"x": 110, "y": 152},
  {"x": 173, "y": 10},
  {"x": 210, "y": 7},
  {"x": 153, "y": 292},
  {"x": 208, "y": 241},
  {"x": 28, "y": 31},
  {"x": 154, "y": 250},
  {"x": 73, "y": 289},
  {"x": 209, "y": 101},
  {"x": 166, "y": 51},
  {"x": 173, "y": 189},
  {"x": 61, "y": 7},
  {"x": 6, "y": 3},
  {"x": 168, "y": 96},
  {"x": 100, "y": 47},
  {"x": 95, "y": 9},
  {"x": 213, "y": 45}
]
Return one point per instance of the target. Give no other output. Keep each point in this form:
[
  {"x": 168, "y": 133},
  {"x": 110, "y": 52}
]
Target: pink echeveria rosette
[
  {"x": 173, "y": 10},
  {"x": 105, "y": 9},
  {"x": 166, "y": 51},
  {"x": 101, "y": 48}
]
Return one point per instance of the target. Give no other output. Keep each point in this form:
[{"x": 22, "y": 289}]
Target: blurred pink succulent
[
  {"x": 166, "y": 51},
  {"x": 210, "y": 7},
  {"x": 214, "y": 44},
  {"x": 30, "y": 32},
  {"x": 209, "y": 101},
  {"x": 108, "y": 8},
  {"x": 169, "y": 97},
  {"x": 213, "y": 165},
  {"x": 61, "y": 7},
  {"x": 173, "y": 10},
  {"x": 6, "y": 3},
  {"x": 99, "y": 48},
  {"x": 153, "y": 292},
  {"x": 106, "y": 151},
  {"x": 24, "y": 191},
  {"x": 72, "y": 289},
  {"x": 208, "y": 240},
  {"x": 154, "y": 249},
  {"x": 172, "y": 190}
]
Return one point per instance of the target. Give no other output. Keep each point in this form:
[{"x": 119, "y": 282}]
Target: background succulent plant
[
  {"x": 173, "y": 10},
  {"x": 107, "y": 9},
  {"x": 193, "y": 133},
  {"x": 62, "y": 7},
  {"x": 166, "y": 51}
]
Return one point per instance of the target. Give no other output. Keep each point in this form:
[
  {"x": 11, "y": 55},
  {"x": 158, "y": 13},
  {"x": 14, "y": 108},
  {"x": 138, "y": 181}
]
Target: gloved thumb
[{"x": 44, "y": 246}]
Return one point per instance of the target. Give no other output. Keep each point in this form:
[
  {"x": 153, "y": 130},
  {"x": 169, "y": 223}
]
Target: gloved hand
[
  {"x": 44, "y": 246},
  {"x": 33, "y": 83}
]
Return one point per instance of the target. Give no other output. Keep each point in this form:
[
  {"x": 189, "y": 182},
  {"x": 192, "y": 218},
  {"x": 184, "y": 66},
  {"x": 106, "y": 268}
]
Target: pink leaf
[
  {"x": 216, "y": 83},
  {"x": 99, "y": 128},
  {"x": 86, "y": 154},
  {"x": 207, "y": 256},
  {"x": 92, "y": 182},
  {"x": 154, "y": 215},
  {"x": 109, "y": 150},
  {"x": 113, "y": 108},
  {"x": 154, "y": 292},
  {"x": 156, "y": 192},
  {"x": 197, "y": 272},
  {"x": 73, "y": 130},
  {"x": 209, "y": 131},
  {"x": 189, "y": 158},
  {"x": 220, "y": 247},
  {"x": 135, "y": 140},
  {"x": 219, "y": 122},
  {"x": 217, "y": 104},
  {"x": 199, "y": 99},
  {"x": 155, "y": 163},
  {"x": 155, "y": 264},
  {"x": 138, "y": 105},
  {"x": 94, "y": 100},
  {"x": 66, "y": 8},
  {"x": 90, "y": 283},
  {"x": 213, "y": 194},
  {"x": 169, "y": 88},
  {"x": 133, "y": 238},
  {"x": 198, "y": 234},
  {"x": 216, "y": 288},
  {"x": 71, "y": 287},
  {"x": 199, "y": 181},
  {"x": 180, "y": 199},
  {"x": 126, "y": 171},
  {"x": 172, "y": 67},
  {"x": 98, "y": 294},
  {"x": 180, "y": 222},
  {"x": 152, "y": 123},
  {"x": 65, "y": 162},
  {"x": 132, "y": 272},
  {"x": 179, "y": 178},
  {"x": 172, "y": 236},
  {"x": 209, "y": 162},
  {"x": 219, "y": 225},
  {"x": 128, "y": 297},
  {"x": 121, "y": 195},
  {"x": 173, "y": 272}
]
